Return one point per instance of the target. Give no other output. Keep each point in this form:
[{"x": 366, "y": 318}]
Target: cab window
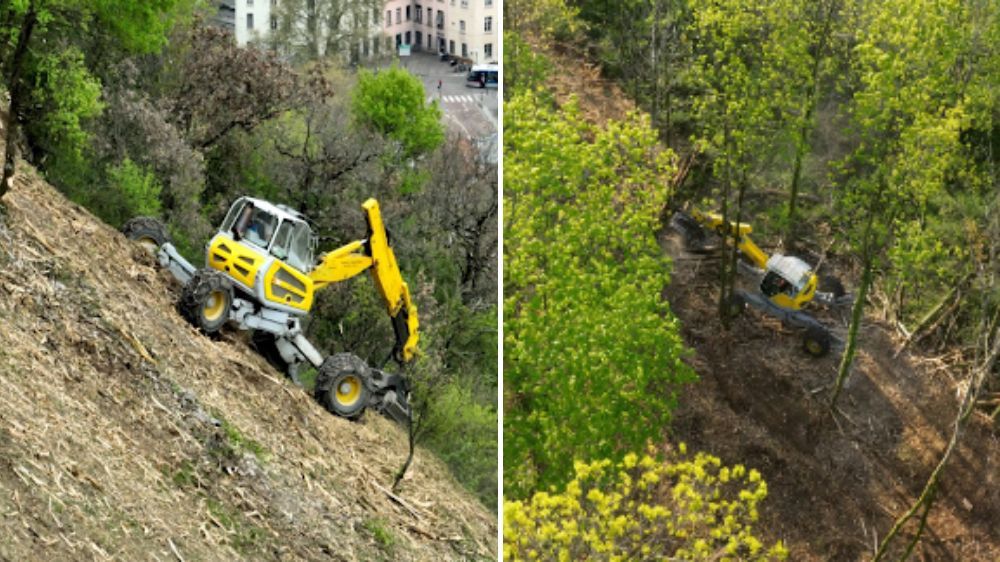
[
  {"x": 292, "y": 245},
  {"x": 256, "y": 226}
]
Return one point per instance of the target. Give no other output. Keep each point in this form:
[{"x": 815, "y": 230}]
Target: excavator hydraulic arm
[
  {"x": 739, "y": 231},
  {"x": 375, "y": 253}
]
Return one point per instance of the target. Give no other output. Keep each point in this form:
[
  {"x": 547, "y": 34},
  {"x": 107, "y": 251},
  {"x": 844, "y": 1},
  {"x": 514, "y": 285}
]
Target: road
[{"x": 470, "y": 111}]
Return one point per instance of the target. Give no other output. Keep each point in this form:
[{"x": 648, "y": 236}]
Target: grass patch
[
  {"x": 308, "y": 379},
  {"x": 244, "y": 536},
  {"x": 240, "y": 442},
  {"x": 184, "y": 476},
  {"x": 381, "y": 533}
]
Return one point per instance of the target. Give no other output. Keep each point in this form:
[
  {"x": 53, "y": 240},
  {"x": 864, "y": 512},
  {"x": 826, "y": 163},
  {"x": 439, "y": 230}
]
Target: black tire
[
  {"x": 341, "y": 385},
  {"x": 830, "y": 284},
  {"x": 735, "y": 305},
  {"x": 149, "y": 232},
  {"x": 816, "y": 342},
  {"x": 206, "y": 300}
]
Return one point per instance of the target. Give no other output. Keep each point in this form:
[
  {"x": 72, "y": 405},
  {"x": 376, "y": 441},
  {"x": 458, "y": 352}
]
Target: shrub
[{"x": 641, "y": 509}]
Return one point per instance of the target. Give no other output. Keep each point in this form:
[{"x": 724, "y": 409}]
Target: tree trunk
[
  {"x": 857, "y": 314},
  {"x": 16, "y": 96},
  {"x": 724, "y": 282},
  {"x": 409, "y": 457},
  {"x": 793, "y": 193},
  {"x": 805, "y": 131}
]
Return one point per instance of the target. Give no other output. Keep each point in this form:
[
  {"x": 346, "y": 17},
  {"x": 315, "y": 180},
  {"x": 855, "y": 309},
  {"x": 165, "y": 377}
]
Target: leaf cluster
[{"x": 592, "y": 354}]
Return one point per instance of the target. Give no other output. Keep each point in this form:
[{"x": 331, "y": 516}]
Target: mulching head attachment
[{"x": 695, "y": 237}]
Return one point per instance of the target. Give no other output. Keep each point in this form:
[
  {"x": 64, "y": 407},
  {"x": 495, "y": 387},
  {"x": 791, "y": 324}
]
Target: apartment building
[{"x": 464, "y": 28}]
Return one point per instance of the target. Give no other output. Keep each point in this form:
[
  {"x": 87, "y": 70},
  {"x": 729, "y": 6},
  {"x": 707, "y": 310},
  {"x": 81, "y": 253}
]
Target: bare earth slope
[
  {"x": 125, "y": 434},
  {"x": 835, "y": 485}
]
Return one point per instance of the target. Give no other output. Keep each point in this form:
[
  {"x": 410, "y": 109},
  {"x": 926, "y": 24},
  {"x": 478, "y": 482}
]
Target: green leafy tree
[
  {"x": 139, "y": 188},
  {"x": 689, "y": 508},
  {"x": 744, "y": 99},
  {"x": 47, "y": 73},
  {"x": 909, "y": 112},
  {"x": 592, "y": 353},
  {"x": 393, "y": 103}
]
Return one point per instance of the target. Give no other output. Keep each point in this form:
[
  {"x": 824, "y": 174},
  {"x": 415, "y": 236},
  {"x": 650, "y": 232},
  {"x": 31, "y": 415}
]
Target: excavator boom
[
  {"x": 375, "y": 254},
  {"x": 740, "y": 231}
]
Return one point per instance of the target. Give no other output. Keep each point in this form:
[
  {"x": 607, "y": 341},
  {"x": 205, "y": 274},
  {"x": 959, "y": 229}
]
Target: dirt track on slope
[{"x": 126, "y": 434}]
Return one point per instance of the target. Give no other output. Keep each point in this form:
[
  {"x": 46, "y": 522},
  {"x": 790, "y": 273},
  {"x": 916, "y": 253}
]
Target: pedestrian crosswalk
[{"x": 454, "y": 99}]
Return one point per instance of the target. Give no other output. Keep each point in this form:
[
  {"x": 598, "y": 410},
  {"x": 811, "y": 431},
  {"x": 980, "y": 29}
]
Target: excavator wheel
[
  {"x": 816, "y": 342},
  {"x": 206, "y": 300},
  {"x": 150, "y": 233},
  {"x": 341, "y": 385},
  {"x": 830, "y": 284}
]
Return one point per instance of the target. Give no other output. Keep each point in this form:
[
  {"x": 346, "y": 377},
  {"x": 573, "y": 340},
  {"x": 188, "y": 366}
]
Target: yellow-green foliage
[{"x": 692, "y": 508}]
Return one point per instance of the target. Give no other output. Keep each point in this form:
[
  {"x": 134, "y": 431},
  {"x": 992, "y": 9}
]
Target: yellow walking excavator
[
  {"x": 260, "y": 274},
  {"x": 785, "y": 283}
]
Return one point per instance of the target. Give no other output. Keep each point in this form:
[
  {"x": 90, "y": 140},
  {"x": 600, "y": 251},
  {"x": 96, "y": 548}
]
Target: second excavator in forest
[
  {"x": 784, "y": 283},
  {"x": 260, "y": 273}
]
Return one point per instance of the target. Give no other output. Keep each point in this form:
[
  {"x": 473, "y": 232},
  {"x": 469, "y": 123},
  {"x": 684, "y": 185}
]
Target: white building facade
[
  {"x": 464, "y": 28},
  {"x": 253, "y": 20}
]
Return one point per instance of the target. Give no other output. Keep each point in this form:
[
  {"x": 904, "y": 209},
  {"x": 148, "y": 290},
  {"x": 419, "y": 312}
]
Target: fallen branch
[
  {"x": 173, "y": 547},
  {"x": 400, "y": 501},
  {"x": 926, "y": 499}
]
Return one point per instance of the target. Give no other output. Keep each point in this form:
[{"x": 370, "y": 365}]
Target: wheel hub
[
  {"x": 215, "y": 305},
  {"x": 349, "y": 390}
]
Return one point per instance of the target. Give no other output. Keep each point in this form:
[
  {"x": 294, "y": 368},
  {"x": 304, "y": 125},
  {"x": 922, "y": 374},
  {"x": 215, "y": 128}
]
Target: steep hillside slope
[
  {"x": 835, "y": 484},
  {"x": 126, "y": 434}
]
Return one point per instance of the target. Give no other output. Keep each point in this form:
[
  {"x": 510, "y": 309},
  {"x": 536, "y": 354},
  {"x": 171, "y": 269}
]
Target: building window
[
  {"x": 399, "y": 39},
  {"x": 399, "y": 15},
  {"x": 419, "y": 13},
  {"x": 388, "y": 18},
  {"x": 430, "y": 19},
  {"x": 488, "y": 27},
  {"x": 274, "y": 22},
  {"x": 461, "y": 26},
  {"x": 440, "y": 19},
  {"x": 407, "y": 13},
  {"x": 249, "y": 21},
  {"x": 465, "y": 51},
  {"x": 408, "y": 38},
  {"x": 418, "y": 39},
  {"x": 489, "y": 3},
  {"x": 465, "y": 3},
  {"x": 374, "y": 16},
  {"x": 249, "y": 3},
  {"x": 451, "y": 47},
  {"x": 376, "y": 44},
  {"x": 488, "y": 51}
]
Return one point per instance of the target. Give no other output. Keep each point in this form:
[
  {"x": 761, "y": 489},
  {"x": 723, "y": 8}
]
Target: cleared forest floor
[
  {"x": 836, "y": 484},
  {"x": 126, "y": 434}
]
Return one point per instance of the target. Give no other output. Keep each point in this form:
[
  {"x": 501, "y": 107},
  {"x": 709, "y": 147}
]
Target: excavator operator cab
[
  {"x": 788, "y": 282},
  {"x": 276, "y": 229}
]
